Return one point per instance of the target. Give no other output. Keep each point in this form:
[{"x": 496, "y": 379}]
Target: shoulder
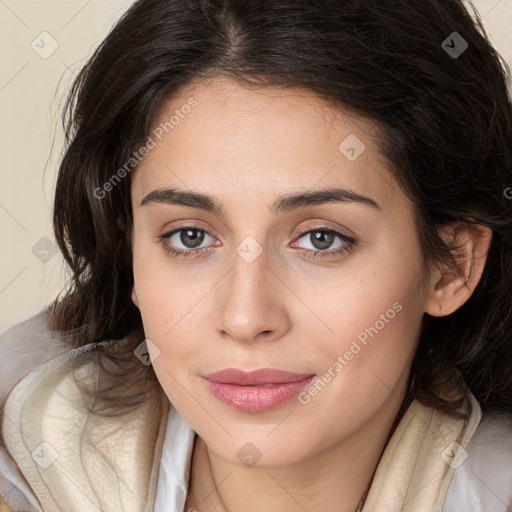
[
  {"x": 24, "y": 347},
  {"x": 484, "y": 479},
  {"x": 50, "y": 419}
]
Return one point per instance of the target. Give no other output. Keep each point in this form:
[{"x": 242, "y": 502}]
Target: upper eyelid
[
  {"x": 173, "y": 231},
  {"x": 309, "y": 229}
]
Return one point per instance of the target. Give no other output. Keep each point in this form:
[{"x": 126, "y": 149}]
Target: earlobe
[
  {"x": 450, "y": 288},
  {"x": 135, "y": 300}
]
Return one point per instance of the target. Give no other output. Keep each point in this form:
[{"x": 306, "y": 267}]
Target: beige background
[{"x": 32, "y": 86}]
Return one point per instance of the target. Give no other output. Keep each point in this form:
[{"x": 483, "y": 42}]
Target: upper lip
[{"x": 255, "y": 377}]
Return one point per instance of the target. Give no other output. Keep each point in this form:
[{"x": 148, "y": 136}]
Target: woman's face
[{"x": 331, "y": 286}]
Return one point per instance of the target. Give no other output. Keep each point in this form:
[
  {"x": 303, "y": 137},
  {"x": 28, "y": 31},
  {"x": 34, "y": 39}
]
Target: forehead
[{"x": 237, "y": 141}]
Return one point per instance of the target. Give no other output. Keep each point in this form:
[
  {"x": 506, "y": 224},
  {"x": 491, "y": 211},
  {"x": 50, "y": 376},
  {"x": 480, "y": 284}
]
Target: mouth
[{"x": 256, "y": 391}]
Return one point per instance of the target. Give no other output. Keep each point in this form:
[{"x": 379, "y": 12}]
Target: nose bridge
[
  {"x": 249, "y": 304},
  {"x": 248, "y": 278}
]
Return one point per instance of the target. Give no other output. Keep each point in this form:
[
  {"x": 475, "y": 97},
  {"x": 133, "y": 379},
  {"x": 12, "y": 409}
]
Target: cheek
[
  {"x": 173, "y": 311},
  {"x": 374, "y": 327},
  {"x": 159, "y": 294},
  {"x": 376, "y": 296}
]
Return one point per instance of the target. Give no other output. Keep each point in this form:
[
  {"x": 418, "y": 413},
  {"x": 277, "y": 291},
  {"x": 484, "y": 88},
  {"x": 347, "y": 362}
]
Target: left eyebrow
[
  {"x": 326, "y": 195},
  {"x": 283, "y": 204}
]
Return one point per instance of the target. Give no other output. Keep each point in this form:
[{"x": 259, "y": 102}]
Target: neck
[{"x": 334, "y": 479}]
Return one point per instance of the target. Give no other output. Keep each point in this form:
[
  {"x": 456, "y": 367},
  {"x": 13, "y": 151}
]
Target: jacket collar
[
  {"x": 417, "y": 466},
  {"x": 78, "y": 462}
]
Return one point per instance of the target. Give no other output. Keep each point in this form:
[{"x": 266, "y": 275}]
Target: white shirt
[{"x": 174, "y": 472}]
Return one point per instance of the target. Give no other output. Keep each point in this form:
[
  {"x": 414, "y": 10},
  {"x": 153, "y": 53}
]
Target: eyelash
[{"x": 350, "y": 243}]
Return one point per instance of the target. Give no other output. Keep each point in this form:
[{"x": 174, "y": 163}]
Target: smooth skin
[{"x": 248, "y": 147}]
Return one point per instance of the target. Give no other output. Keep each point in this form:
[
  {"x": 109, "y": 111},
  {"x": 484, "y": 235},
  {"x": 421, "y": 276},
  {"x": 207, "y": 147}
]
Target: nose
[{"x": 252, "y": 302}]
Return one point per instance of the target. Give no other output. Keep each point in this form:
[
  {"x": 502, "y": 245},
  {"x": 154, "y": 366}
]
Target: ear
[
  {"x": 450, "y": 288},
  {"x": 135, "y": 300}
]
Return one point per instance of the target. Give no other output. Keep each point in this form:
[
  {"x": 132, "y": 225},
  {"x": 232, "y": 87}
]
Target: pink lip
[{"x": 258, "y": 390}]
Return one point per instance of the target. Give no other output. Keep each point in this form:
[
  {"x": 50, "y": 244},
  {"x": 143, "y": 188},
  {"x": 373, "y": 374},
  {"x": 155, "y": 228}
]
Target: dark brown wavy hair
[{"x": 445, "y": 125}]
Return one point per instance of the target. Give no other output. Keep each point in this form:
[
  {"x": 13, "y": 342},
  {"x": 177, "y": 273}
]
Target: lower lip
[{"x": 256, "y": 398}]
